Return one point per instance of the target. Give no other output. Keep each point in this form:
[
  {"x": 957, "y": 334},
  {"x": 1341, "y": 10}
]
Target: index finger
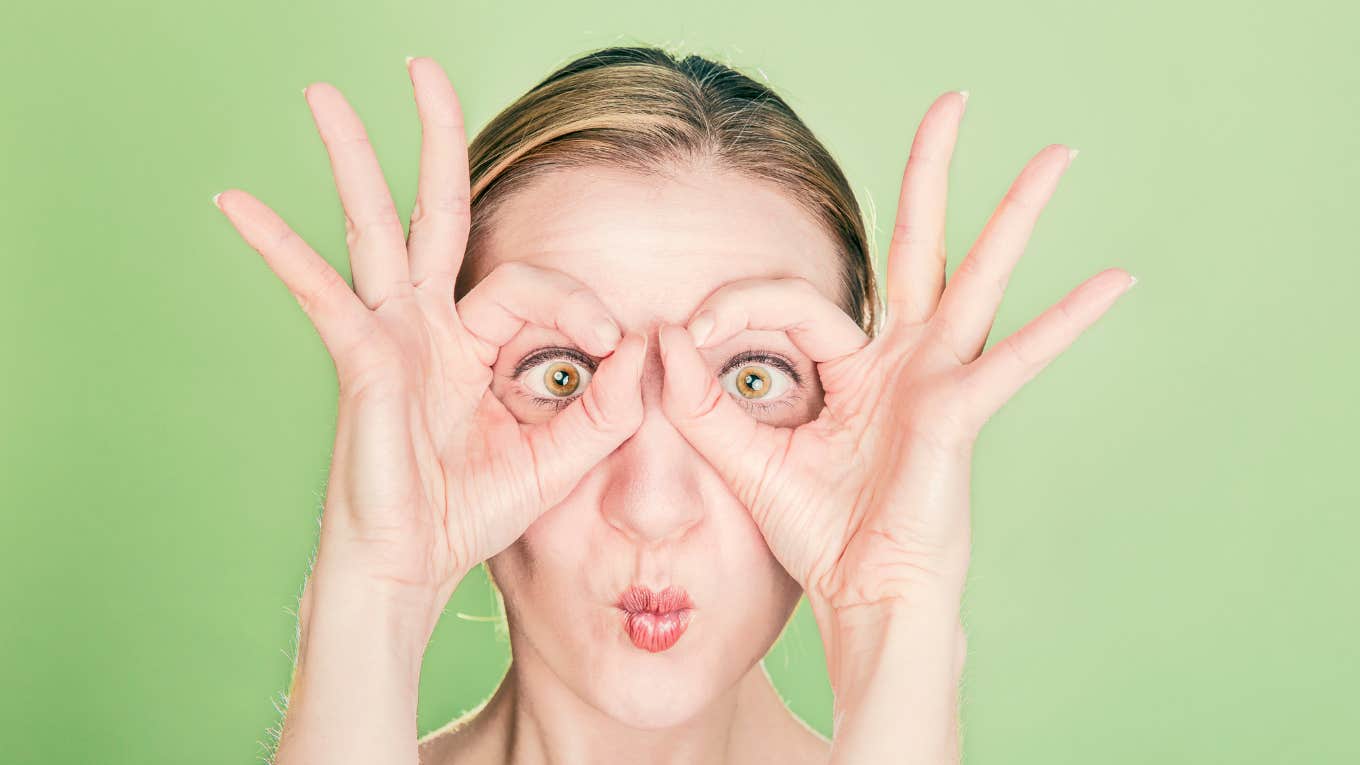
[
  {"x": 515, "y": 294},
  {"x": 820, "y": 328}
]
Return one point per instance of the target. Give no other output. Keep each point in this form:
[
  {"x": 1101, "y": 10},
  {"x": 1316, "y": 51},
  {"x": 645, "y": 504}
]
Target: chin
[{"x": 650, "y": 701}]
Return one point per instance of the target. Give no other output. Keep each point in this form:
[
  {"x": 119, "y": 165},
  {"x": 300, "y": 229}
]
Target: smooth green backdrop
[{"x": 1164, "y": 566}]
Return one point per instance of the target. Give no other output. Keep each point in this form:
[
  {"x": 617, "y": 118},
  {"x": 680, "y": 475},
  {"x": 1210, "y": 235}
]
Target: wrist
[
  {"x": 356, "y": 678},
  {"x": 857, "y": 638},
  {"x": 895, "y": 668},
  {"x": 339, "y": 606}
]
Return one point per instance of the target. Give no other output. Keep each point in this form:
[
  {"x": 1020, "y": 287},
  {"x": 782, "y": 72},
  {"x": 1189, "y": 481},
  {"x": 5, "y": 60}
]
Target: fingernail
[
  {"x": 215, "y": 198},
  {"x": 1071, "y": 155},
  {"x": 608, "y": 333},
  {"x": 701, "y": 327},
  {"x": 1133, "y": 280},
  {"x": 964, "y": 93},
  {"x": 409, "y": 59}
]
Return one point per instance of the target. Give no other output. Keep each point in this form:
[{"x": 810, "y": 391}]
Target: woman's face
[{"x": 653, "y": 514}]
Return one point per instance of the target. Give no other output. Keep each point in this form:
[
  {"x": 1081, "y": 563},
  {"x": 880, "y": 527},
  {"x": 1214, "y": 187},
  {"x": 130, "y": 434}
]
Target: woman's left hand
[{"x": 868, "y": 503}]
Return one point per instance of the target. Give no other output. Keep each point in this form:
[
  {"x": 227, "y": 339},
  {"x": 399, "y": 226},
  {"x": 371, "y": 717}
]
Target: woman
[{"x": 632, "y": 356}]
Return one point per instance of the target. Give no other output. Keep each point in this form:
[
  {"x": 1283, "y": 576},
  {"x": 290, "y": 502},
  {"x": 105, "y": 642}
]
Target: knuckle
[
  {"x": 1018, "y": 351},
  {"x": 974, "y": 269},
  {"x": 595, "y": 411},
  {"x": 453, "y": 209},
  {"x": 348, "y": 142},
  {"x": 578, "y": 305},
  {"x": 799, "y": 284},
  {"x": 580, "y": 297},
  {"x": 1065, "y": 316},
  {"x": 907, "y": 232},
  {"x": 921, "y": 156},
  {"x": 970, "y": 268},
  {"x": 282, "y": 237},
  {"x": 323, "y": 281},
  {"x": 383, "y": 219},
  {"x": 456, "y": 205},
  {"x": 378, "y": 227},
  {"x": 949, "y": 338},
  {"x": 510, "y": 271},
  {"x": 1018, "y": 199}
]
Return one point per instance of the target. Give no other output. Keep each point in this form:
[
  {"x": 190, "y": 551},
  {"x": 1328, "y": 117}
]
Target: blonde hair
[{"x": 644, "y": 109}]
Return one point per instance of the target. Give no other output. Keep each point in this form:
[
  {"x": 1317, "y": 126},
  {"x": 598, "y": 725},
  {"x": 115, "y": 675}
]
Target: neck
[{"x": 533, "y": 719}]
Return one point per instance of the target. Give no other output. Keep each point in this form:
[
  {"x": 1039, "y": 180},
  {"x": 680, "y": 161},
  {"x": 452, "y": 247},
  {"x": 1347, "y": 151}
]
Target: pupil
[
  {"x": 561, "y": 379},
  {"x": 752, "y": 383}
]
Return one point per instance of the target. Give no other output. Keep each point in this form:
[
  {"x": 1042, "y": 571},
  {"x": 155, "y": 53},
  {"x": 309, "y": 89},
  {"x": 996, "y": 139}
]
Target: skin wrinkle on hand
[{"x": 683, "y": 490}]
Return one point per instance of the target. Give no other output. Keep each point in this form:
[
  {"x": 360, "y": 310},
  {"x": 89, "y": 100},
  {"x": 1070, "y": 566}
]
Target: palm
[
  {"x": 431, "y": 474},
  {"x": 837, "y": 481},
  {"x": 427, "y": 433},
  {"x": 871, "y": 496}
]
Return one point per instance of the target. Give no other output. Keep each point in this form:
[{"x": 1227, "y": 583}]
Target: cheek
[
  {"x": 548, "y": 563},
  {"x": 755, "y": 595}
]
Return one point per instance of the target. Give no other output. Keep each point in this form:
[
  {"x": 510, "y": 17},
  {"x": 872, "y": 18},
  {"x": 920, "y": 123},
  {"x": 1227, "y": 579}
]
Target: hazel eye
[
  {"x": 556, "y": 380},
  {"x": 561, "y": 378},
  {"x": 756, "y": 383}
]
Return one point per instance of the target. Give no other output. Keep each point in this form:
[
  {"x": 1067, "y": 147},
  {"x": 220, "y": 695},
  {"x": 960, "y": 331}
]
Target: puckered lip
[
  {"x": 639, "y": 599},
  {"x": 654, "y": 621}
]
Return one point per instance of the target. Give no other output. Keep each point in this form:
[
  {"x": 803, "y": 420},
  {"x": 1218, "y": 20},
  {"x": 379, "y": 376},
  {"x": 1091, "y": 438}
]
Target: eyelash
[
  {"x": 769, "y": 359},
  {"x": 541, "y": 355},
  {"x": 744, "y": 357}
]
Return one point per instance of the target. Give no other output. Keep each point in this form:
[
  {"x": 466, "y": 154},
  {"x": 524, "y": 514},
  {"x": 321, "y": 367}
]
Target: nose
[{"x": 654, "y": 487}]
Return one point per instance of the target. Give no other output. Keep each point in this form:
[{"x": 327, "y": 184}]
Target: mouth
[{"x": 655, "y": 620}]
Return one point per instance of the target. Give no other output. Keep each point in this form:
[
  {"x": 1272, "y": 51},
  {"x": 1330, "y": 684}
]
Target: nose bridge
[{"x": 653, "y": 494}]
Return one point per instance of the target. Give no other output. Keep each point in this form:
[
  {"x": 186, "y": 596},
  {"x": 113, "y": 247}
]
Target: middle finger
[
  {"x": 377, "y": 248},
  {"x": 439, "y": 223},
  {"x": 916, "y": 255}
]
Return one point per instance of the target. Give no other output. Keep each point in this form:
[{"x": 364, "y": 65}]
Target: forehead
[{"x": 654, "y": 246}]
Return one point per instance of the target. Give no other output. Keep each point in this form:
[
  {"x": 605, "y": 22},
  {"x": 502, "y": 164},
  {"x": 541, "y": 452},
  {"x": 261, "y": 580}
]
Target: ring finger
[{"x": 971, "y": 300}]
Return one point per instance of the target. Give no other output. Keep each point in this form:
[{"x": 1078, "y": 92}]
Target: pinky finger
[
  {"x": 336, "y": 312},
  {"x": 1005, "y": 368}
]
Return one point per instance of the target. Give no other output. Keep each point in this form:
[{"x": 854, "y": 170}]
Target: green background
[{"x": 1164, "y": 566}]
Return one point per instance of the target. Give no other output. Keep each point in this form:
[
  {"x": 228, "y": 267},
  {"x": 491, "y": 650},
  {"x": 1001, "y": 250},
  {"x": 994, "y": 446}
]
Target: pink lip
[{"x": 656, "y": 620}]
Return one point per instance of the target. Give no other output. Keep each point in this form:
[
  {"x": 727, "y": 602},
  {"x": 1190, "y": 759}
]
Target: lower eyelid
[
  {"x": 540, "y": 401},
  {"x": 788, "y": 399}
]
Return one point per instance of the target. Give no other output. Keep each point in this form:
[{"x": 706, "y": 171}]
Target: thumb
[
  {"x": 592, "y": 426},
  {"x": 741, "y": 448}
]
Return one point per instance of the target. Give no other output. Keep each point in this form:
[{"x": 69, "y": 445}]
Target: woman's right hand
[{"x": 431, "y": 474}]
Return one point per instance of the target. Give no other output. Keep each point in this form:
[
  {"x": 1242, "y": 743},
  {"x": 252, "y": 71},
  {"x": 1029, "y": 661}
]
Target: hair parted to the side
[{"x": 645, "y": 109}]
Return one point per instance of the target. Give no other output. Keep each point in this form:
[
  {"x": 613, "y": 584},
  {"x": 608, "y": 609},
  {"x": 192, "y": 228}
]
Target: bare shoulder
[
  {"x": 460, "y": 741},
  {"x": 807, "y": 746},
  {"x": 787, "y": 740},
  {"x": 439, "y": 746}
]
